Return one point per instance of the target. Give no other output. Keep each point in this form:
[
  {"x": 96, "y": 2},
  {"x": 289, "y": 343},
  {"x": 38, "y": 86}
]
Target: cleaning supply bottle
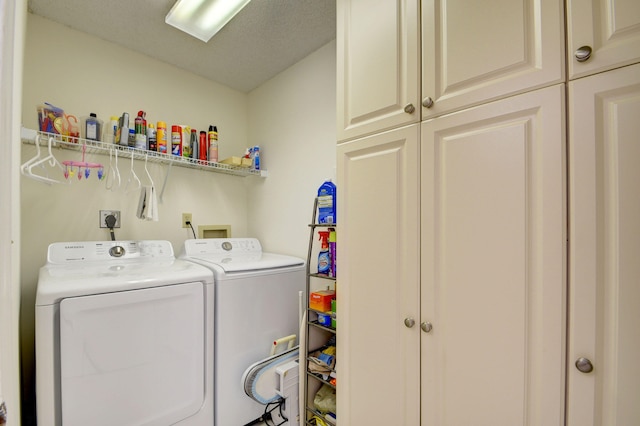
[
  {"x": 194, "y": 144},
  {"x": 152, "y": 141},
  {"x": 213, "y": 144},
  {"x": 324, "y": 260},
  {"x": 176, "y": 140},
  {"x": 256, "y": 157},
  {"x": 92, "y": 129},
  {"x": 122, "y": 133},
  {"x": 203, "y": 149},
  {"x": 110, "y": 130},
  {"x": 332, "y": 251},
  {"x": 140, "y": 126},
  {"x": 161, "y": 136},
  {"x": 327, "y": 202}
]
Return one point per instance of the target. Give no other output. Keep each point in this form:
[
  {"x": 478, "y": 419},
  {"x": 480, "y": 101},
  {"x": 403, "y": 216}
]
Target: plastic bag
[{"x": 325, "y": 399}]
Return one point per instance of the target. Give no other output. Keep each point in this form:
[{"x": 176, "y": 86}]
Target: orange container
[{"x": 321, "y": 300}]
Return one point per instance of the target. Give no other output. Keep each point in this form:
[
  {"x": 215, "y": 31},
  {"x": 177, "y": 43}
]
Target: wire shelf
[{"x": 101, "y": 148}]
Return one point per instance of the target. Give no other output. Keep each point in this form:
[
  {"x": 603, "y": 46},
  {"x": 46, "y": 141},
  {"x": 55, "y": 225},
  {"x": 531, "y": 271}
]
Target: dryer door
[{"x": 133, "y": 357}]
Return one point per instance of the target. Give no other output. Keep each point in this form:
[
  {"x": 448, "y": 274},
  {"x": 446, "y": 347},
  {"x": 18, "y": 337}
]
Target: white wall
[{"x": 293, "y": 119}]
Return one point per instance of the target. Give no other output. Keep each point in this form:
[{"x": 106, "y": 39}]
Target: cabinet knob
[
  {"x": 427, "y": 102},
  {"x": 584, "y": 365},
  {"x": 426, "y": 327},
  {"x": 409, "y": 322},
  {"x": 583, "y": 53},
  {"x": 409, "y": 109}
]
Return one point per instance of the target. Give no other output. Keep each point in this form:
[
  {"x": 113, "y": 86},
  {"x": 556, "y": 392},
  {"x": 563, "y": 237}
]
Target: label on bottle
[
  {"x": 176, "y": 140},
  {"x": 151, "y": 138},
  {"x": 161, "y": 139}
]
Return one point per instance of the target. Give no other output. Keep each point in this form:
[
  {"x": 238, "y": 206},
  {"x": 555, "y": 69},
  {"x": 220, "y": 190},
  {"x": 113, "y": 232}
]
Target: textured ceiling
[{"x": 265, "y": 38}]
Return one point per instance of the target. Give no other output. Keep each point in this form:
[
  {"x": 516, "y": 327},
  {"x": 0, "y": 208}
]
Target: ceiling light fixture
[{"x": 203, "y": 18}]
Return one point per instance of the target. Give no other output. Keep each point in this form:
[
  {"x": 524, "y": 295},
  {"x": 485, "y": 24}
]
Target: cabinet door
[
  {"x": 610, "y": 28},
  {"x": 378, "y": 356},
  {"x": 474, "y": 52},
  {"x": 493, "y": 249},
  {"x": 378, "y": 65},
  {"x": 604, "y": 245}
]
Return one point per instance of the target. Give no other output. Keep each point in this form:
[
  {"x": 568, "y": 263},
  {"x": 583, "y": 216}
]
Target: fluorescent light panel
[{"x": 203, "y": 18}]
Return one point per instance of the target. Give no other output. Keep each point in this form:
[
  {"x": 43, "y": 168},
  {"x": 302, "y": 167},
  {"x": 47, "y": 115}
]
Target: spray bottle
[
  {"x": 203, "y": 149},
  {"x": 140, "y": 126},
  {"x": 324, "y": 260},
  {"x": 213, "y": 144}
]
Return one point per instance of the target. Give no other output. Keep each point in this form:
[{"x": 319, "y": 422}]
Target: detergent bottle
[
  {"x": 324, "y": 260},
  {"x": 327, "y": 202}
]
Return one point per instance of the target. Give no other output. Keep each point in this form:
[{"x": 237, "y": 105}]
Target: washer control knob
[{"x": 116, "y": 251}]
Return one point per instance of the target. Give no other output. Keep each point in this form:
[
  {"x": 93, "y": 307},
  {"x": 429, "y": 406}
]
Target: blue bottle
[{"x": 327, "y": 202}]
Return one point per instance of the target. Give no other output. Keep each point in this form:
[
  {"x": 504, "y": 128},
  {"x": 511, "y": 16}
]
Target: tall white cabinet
[
  {"x": 604, "y": 275},
  {"x": 379, "y": 288},
  {"x": 492, "y": 264},
  {"x": 487, "y": 262}
]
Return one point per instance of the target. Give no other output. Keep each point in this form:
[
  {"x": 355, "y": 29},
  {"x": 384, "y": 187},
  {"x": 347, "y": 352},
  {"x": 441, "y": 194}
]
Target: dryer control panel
[
  {"x": 91, "y": 251},
  {"x": 222, "y": 246}
]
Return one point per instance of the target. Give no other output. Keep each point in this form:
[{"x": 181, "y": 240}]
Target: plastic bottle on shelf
[
  {"x": 332, "y": 251},
  {"x": 327, "y": 202},
  {"x": 122, "y": 133},
  {"x": 110, "y": 130},
  {"x": 255, "y": 153},
  {"x": 92, "y": 128},
  {"x": 194, "y": 144},
  {"x": 324, "y": 260},
  {"x": 132, "y": 138}
]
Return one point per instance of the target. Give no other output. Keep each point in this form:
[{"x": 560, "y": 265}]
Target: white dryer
[
  {"x": 257, "y": 301},
  {"x": 124, "y": 336}
]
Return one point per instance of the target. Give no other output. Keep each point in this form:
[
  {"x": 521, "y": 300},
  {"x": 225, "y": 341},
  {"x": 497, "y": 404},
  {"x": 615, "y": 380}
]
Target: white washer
[
  {"x": 257, "y": 302},
  {"x": 124, "y": 336}
]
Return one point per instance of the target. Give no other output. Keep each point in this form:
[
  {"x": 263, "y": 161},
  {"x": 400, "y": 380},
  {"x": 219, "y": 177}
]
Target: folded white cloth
[{"x": 147, "y": 204}]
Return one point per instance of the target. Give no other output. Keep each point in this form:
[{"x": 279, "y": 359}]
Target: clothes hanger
[
  {"x": 146, "y": 157},
  {"x": 27, "y": 168},
  {"x": 132, "y": 177},
  {"x": 114, "y": 172},
  {"x": 53, "y": 161}
]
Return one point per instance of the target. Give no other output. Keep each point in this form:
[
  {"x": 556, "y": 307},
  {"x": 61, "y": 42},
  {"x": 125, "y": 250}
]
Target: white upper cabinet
[
  {"x": 477, "y": 51},
  {"x": 602, "y": 35},
  {"x": 378, "y": 66}
]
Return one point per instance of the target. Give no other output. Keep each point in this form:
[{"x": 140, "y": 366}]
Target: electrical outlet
[
  {"x": 186, "y": 217},
  {"x": 103, "y": 217}
]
